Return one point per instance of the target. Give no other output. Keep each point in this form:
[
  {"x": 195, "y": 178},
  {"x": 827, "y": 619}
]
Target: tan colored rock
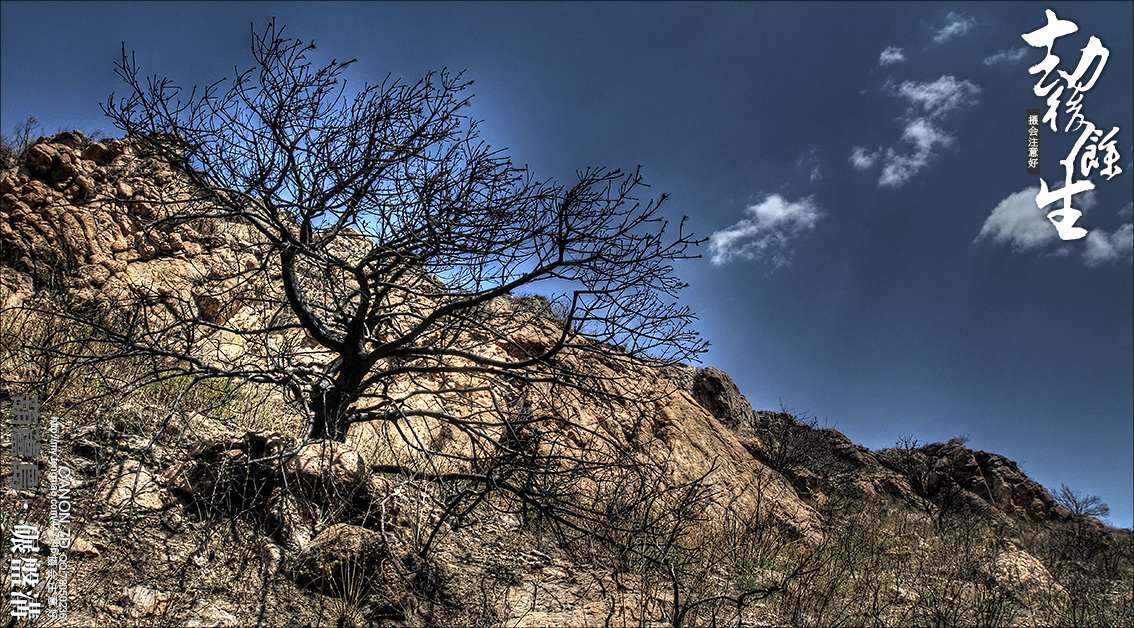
[
  {"x": 191, "y": 478},
  {"x": 379, "y": 488},
  {"x": 83, "y": 547},
  {"x": 192, "y": 249},
  {"x": 70, "y": 139},
  {"x": 35, "y": 193},
  {"x": 114, "y": 265},
  {"x": 70, "y": 543},
  {"x": 325, "y": 468},
  {"x": 285, "y": 518},
  {"x": 130, "y": 486},
  {"x": 563, "y": 601},
  {"x": 41, "y": 158},
  {"x": 15, "y": 287},
  {"x": 205, "y": 614},
  {"x": 996, "y": 480},
  {"x": 95, "y": 274},
  {"x": 1026, "y": 577},
  {"x": 716, "y": 392},
  {"x": 143, "y": 601},
  {"x": 97, "y": 152},
  {"x": 119, "y": 244}
]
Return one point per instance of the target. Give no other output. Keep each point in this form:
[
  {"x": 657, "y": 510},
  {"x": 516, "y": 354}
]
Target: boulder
[
  {"x": 346, "y": 560},
  {"x": 130, "y": 486},
  {"x": 1025, "y": 576},
  {"x": 322, "y": 470},
  {"x": 717, "y": 393},
  {"x": 230, "y": 472},
  {"x": 142, "y": 600},
  {"x": 209, "y": 615}
]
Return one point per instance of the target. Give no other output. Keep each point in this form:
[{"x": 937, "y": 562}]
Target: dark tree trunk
[{"x": 332, "y": 400}]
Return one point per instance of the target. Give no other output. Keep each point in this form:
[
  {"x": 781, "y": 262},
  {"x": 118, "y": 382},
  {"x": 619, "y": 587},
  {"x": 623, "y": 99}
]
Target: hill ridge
[{"x": 71, "y": 217}]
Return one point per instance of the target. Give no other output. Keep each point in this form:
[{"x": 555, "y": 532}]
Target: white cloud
[
  {"x": 941, "y": 97},
  {"x": 1017, "y": 221},
  {"x": 958, "y": 24},
  {"x": 811, "y": 160},
  {"x": 863, "y": 159},
  {"x": 924, "y": 135},
  {"x": 1008, "y": 55},
  {"x": 900, "y": 167},
  {"x": 930, "y": 103},
  {"x": 767, "y": 232},
  {"x": 1085, "y": 201},
  {"x": 1108, "y": 248},
  {"x": 1127, "y": 212},
  {"x": 891, "y": 55}
]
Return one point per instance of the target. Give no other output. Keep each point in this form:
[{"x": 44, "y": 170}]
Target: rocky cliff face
[
  {"x": 71, "y": 222},
  {"x": 72, "y": 219},
  {"x": 824, "y": 464}
]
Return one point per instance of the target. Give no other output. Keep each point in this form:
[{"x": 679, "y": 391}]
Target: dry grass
[{"x": 877, "y": 564}]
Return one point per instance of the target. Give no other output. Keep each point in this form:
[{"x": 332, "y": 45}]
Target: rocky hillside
[
  {"x": 823, "y": 464},
  {"x": 216, "y": 514}
]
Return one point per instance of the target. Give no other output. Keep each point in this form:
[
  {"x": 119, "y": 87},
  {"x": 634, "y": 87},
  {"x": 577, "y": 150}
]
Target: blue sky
[{"x": 876, "y": 256}]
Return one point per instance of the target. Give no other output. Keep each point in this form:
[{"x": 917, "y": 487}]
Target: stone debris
[{"x": 129, "y": 487}]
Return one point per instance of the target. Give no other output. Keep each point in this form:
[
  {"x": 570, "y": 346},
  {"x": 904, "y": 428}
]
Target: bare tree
[
  {"x": 390, "y": 228},
  {"x": 12, "y": 146},
  {"x": 371, "y": 246},
  {"x": 1080, "y": 504}
]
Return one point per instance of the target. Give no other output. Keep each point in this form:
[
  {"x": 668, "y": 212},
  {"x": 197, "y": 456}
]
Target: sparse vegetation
[
  {"x": 876, "y": 563},
  {"x": 12, "y": 147}
]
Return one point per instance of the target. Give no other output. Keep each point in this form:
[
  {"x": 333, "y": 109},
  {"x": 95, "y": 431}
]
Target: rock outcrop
[
  {"x": 823, "y": 463},
  {"x": 131, "y": 486},
  {"x": 73, "y": 218},
  {"x": 73, "y": 221},
  {"x": 996, "y": 480},
  {"x": 344, "y": 559}
]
